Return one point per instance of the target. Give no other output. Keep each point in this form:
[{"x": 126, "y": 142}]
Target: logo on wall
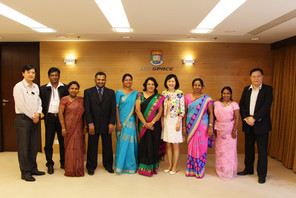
[{"x": 156, "y": 57}]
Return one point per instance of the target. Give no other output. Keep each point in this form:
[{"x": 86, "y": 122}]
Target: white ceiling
[{"x": 151, "y": 20}]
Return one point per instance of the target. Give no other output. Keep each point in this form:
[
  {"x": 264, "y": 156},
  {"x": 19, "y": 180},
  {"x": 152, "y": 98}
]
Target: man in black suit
[
  {"x": 100, "y": 106},
  {"x": 50, "y": 95},
  {"x": 255, "y": 107}
]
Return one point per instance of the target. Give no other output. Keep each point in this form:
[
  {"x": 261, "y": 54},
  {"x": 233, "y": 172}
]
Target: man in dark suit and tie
[
  {"x": 100, "y": 111},
  {"x": 255, "y": 107}
]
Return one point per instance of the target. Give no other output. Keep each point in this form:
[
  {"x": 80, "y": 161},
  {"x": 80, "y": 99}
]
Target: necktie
[{"x": 100, "y": 94}]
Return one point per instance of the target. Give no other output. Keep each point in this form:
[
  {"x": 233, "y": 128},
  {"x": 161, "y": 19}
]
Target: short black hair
[
  {"x": 53, "y": 69},
  {"x": 198, "y": 79},
  {"x": 100, "y": 73},
  {"x": 73, "y": 83},
  {"x": 28, "y": 67},
  {"x": 168, "y": 78},
  {"x": 126, "y": 75},
  {"x": 229, "y": 89},
  {"x": 155, "y": 84},
  {"x": 256, "y": 69}
]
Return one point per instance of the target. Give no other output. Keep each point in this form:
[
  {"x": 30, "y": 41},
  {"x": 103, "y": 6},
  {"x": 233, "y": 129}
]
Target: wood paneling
[{"x": 218, "y": 64}]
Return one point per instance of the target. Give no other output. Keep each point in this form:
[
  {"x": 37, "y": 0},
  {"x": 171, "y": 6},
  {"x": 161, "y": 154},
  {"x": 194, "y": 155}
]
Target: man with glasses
[
  {"x": 255, "y": 107},
  {"x": 28, "y": 109},
  {"x": 51, "y": 94}
]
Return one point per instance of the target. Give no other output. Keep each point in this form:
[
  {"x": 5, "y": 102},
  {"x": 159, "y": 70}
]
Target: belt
[
  {"x": 23, "y": 116},
  {"x": 53, "y": 114}
]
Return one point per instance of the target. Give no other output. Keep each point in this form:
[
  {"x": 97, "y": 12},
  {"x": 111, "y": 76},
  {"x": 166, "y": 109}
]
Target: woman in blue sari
[{"x": 126, "y": 132}]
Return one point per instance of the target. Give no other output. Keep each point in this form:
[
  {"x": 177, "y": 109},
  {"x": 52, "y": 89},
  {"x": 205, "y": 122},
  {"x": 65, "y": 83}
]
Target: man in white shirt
[
  {"x": 28, "y": 109},
  {"x": 51, "y": 94},
  {"x": 255, "y": 107}
]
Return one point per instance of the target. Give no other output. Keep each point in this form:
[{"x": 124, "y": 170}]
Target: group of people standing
[{"x": 148, "y": 125}]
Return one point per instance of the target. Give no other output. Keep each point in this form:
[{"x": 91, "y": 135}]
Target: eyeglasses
[{"x": 254, "y": 77}]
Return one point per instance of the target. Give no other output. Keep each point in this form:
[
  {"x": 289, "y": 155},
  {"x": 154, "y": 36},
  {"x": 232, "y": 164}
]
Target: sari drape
[
  {"x": 74, "y": 142},
  {"x": 225, "y": 150},
  {"x": 197, "y": 127},
  {"x": 151, "y": 148},
  {"x": 127, "y": 141}
]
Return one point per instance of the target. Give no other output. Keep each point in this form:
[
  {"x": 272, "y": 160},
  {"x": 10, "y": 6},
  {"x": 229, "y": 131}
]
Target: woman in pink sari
[
  {"x": 227, "y": 117},
  {"x": 71, "y": 117},
  {"x": 199, "y": 129}
]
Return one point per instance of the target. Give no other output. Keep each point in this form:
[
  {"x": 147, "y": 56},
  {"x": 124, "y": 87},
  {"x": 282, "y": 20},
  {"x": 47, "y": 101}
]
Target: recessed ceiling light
[
  {"x": 191, "y": 38},
  {"x": 126, "y": 37},
  {"x": 220, "y": 12},
  {"x": 201, "y": 30},
  {"x": 114, "y": 12},
  {"x": 229, "y": 31},
  {"x": 1, "y": 37},
  {"x": 22, "y": 19},
  {"x": 61, "y": 37},
  {"x": 122, "y": 29},
  {"x": 255, "y": 39}
]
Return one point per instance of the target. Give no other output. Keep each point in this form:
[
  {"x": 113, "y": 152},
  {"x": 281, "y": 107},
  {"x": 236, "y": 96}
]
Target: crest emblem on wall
[{"x": 156, "y": 57}]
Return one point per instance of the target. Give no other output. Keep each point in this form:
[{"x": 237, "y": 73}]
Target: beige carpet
[{"x": 281, "y": 182}]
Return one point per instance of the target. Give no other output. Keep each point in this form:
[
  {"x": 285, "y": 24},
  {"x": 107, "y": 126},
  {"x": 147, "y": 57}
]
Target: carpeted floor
[{"x": 281, "y": 182}]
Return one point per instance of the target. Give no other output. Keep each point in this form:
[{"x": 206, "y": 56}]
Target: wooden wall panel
[{"x": 218, "y": 64}]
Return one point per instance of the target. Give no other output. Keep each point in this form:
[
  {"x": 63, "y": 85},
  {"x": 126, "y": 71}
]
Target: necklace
[{"x": 226, "y": 104}]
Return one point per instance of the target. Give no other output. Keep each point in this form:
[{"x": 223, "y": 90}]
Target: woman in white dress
[{"x": 174, "y": 110}]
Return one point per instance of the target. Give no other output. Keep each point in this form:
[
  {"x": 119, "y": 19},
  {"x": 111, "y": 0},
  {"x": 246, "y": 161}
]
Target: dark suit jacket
[
  {"x": 262, "y": 109},
  {"x": 103, "y": 113},
  {"x": 45, "y": 95}
]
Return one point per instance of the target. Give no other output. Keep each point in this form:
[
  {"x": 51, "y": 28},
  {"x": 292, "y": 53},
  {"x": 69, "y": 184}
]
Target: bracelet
[{"x": 211, "y": 125}]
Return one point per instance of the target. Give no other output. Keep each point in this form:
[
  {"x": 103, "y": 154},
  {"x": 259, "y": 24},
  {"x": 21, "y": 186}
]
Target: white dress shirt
[
  {"x": 26, "y": 98},
  {"x": 253, "y": 99},
  {"x": 54, "y": 98}
]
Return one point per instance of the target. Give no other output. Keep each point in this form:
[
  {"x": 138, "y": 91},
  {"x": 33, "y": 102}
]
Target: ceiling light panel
[
  {"x": 18, "y": 17},
  {"x": 114, "y": 12},
  {"x": 220, "y": 12},
  {"x": 22, "y": 19}
]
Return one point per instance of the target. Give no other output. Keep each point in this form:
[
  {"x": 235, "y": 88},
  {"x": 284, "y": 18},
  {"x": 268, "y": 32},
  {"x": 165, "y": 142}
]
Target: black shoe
[
  {"x": 110, "y": 169},
  {"x": 261, "y": 180},
  {"x": 28, "y": 178},
  {"x": 245, "y": 173},
  {"x": 90, "y": 172},
  {"x": 50, "y": 170},
  {"x": 62, "y": 166},
  {"x": 37, "y": 172}
]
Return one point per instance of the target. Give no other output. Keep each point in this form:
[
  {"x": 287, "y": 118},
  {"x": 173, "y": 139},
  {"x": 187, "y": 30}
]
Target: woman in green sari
[{"x": 149, "y": 110}]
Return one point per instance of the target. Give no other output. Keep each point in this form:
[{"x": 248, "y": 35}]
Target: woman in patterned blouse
[{"x": 174, "y": 110}]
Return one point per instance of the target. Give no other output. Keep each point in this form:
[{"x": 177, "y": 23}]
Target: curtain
[{"x": 282, "y": 144}]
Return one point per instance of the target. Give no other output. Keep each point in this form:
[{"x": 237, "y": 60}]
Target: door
[{"x": 13, "y": 57}]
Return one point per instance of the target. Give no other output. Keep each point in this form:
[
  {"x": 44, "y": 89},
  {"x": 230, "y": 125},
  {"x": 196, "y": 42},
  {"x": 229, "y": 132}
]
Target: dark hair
[
  {"x": 229, "y": 89},
  {"x": 28, "y": 67},
  {"x": 100, "y": 74},
  {"x": 256, "y": 69},
  {"x": 73, "y": 83},
  {"x": 168, "y": 78},
  {"x": 198, "y": 79},
  {"x": 53, "y": 69},
  {"x": 126, "y": 75},
  {"x": 155, "y": 84}
]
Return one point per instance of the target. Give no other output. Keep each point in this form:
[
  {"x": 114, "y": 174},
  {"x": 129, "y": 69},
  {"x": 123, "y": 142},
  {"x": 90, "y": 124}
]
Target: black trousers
[
  {"x": 92, "y": 151},
  {"x": 27, "y": 143},
  {"x": 52, "y": 126},
  {"x": 262, "y": 143}
]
